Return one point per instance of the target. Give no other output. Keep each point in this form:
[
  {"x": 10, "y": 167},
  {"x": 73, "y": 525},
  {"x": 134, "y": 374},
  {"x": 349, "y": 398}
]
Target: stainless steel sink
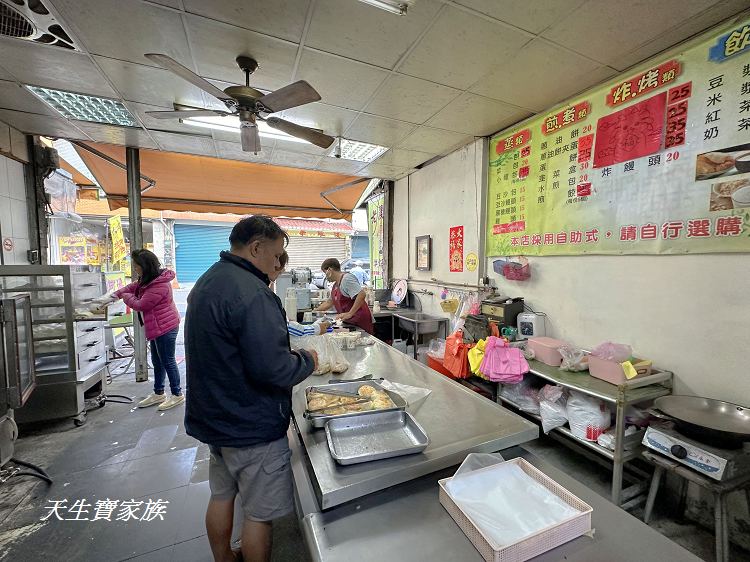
[{"x": 418, "y": 322}]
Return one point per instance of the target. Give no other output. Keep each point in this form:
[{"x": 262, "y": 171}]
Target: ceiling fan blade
[
  {"x": 292, "y": 95},
  {"x": 311, "y": 135},
  {"x": 186, "y": 74},
  {"x": 250, "y": 137},
  {"x": 185, "y": 113}
]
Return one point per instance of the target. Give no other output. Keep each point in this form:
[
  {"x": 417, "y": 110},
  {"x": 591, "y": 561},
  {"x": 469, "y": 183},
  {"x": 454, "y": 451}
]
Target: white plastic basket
[{"x": 532, "y": 545}]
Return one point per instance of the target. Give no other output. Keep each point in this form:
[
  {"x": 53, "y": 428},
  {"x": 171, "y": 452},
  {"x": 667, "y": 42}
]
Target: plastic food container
[
  {"x": 612, "y": 372},
  {"x": 545, "y": 350}
]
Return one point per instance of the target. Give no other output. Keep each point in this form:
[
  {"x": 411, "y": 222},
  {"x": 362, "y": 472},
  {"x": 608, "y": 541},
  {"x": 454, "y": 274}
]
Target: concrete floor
[{"x": 125, "y": 453}]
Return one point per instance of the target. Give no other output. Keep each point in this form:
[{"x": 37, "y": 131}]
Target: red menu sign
[
  {"x": 644, "y": 83},
  {"x": 567, "y": 116},
  {"x": 513, "y": 141},
  {"x": 456, "y": 248}
]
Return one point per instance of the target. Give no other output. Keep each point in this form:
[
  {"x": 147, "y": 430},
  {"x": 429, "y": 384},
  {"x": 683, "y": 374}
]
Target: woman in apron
[{"x": 347, "y": 296}]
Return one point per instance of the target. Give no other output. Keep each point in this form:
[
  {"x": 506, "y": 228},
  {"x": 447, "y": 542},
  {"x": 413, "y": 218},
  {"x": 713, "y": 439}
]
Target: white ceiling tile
[
  {"x": 383, "y": 171},
  {"x": 233, "y": 151},
  {"x": 110, "y": 134},
  {"x": 410, "y": 99},
  {"x": 294, "y": 159},
  {"x": 53, "y": 67},
  {"x": 216, "y": 45},
  {"x": 13, "y": 96},
  {"x": 31, "y": 123},
  {"x": 541, "y": 75},
  {"x": 339, "y": 81},
  {"x": 190, "y": 144},
  {"x": 378, "y": 130},
  {"x": 331, "y": 120},
  {"x": 680, "y": 33},
  {"x": 531, "y": 16},
  {"x": 126, "y": 30},
  {"x": 149, "y": 85},
  {"x": 435, "y": 141},
  {"x": 174, "y": 125},
  {"x": 280, "y": 18},
  {"x": 404, "y": 158},
  {"x": 358, "y": 31},
  {"x": 604, "y": 30},
  {"x": 477, "y": 115},
  {"x": 339, "y": 165},
  {"x": 460, "y": 48}
]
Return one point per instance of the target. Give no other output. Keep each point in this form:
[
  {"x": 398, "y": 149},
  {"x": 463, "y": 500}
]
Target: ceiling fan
[{"x": 247, "y": 103}]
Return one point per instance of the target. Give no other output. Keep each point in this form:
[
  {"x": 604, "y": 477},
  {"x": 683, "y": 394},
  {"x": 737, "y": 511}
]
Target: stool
[{"x": 720, "y": 490}]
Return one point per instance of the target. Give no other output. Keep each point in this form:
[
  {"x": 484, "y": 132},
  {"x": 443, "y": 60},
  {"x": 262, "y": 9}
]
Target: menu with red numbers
[{"x": 657, "y": 161}]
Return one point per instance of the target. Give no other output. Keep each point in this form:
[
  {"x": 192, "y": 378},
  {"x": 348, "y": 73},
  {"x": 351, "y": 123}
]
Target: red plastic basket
[{"x": 516, "y": 271}]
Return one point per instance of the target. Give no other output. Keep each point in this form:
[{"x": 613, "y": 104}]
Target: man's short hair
[
  {"x": 257, "y": 227},
  {"x": 333, "y": 263}
]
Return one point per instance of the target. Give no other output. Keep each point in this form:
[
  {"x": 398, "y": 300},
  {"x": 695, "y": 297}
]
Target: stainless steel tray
[
  {"x": 375, "y": 436},
  {"x": 319, "y": 420}
]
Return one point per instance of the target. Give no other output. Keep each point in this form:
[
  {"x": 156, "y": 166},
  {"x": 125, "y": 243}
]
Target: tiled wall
[{"x": 13, "y": 212}]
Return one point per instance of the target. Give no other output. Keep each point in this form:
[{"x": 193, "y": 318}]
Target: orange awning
[
  {"x": 202, "y": 184},
  {"x": 78, "y": 177}
]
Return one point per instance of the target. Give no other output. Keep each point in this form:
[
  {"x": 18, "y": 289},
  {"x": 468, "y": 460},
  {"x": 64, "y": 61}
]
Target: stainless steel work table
[
  {"x": 407, "y": 523},
  {"x": 457, "y": 420}
]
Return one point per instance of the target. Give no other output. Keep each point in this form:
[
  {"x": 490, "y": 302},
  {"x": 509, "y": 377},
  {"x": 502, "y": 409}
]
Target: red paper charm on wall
[{"x": 456, "y": 248}]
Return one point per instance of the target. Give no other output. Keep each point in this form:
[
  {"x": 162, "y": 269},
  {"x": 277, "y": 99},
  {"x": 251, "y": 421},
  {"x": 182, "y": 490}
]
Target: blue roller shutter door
[{"x": 198, "y": 248}]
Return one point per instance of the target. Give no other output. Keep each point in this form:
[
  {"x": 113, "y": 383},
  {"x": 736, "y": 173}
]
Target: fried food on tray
[{"x": 330, "y": 404}]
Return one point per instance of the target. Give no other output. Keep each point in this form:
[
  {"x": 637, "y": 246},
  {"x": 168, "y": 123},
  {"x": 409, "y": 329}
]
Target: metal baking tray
[
  {"x": 319, "y": 420},
  {"x": 375, "y": 436}
]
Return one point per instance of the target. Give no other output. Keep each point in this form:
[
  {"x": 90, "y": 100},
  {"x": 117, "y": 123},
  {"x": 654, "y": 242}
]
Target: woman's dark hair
[
  {"x": 333, "y": 263},
  {"x": 257, "y": 227},
  {"x": 283, "y": 260},
  {"x": 149, "y": 263}
]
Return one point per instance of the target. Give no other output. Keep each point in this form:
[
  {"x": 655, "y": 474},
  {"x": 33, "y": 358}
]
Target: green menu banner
[{"x": 657, "y": 162}]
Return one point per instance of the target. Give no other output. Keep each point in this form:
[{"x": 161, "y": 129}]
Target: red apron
[{"x": 362, "y": 318}]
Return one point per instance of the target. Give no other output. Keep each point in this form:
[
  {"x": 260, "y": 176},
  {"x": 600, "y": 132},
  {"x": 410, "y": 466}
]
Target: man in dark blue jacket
[{"x": 240, "y": 374}]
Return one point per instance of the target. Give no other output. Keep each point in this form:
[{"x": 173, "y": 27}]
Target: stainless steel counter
[
  {"x": 407, "y": 523},
  {"x": 457, "y": 420}
]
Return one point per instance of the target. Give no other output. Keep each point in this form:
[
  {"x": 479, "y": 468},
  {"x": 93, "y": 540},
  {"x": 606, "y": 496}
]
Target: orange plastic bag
[{"x": 457, "y": 355}]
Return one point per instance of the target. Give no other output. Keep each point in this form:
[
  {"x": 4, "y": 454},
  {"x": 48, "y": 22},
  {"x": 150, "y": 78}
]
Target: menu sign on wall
[{"x": 658, "y": 161}]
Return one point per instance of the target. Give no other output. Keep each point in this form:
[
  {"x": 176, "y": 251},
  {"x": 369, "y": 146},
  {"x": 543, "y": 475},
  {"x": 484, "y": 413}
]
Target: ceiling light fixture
[
  {"x": 82, "y": 107},
  {"x": 392, "y": 6},
  {"x": 231, "y": 124},
  {"x": 356, "y": 150}
]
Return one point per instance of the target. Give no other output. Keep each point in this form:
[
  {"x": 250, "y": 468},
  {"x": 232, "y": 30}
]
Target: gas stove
[{"x": 719, "y": 464}]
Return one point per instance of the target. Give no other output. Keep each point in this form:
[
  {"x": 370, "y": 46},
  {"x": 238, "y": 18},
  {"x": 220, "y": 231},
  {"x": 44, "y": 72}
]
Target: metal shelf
[
  {"x": 31, "y": 289},
  {"x": 49, "y": 305},
  {"x": 603, "y": 451},
  {"x": 62, "y": 336}
]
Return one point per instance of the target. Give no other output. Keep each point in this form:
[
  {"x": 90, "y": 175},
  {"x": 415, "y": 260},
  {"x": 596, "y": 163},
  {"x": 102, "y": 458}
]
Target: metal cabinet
[{"x": 69, "y": 347}]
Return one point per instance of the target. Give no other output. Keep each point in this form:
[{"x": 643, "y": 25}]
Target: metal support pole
[{"x": 133, "y": 166}]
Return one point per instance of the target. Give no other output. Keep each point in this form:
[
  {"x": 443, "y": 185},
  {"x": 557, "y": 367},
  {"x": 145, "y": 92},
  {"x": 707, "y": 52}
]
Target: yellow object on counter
[{"x": 631, "y": 370}]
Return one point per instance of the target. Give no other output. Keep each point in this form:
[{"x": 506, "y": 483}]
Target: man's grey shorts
[{"x": 262, "y": 474}]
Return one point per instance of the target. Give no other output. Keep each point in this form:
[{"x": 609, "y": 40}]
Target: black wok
[{"x": 713, "y": 422}]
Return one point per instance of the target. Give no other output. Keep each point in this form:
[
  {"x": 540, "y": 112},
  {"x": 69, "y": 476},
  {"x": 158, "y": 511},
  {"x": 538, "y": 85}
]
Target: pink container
[
  {"x": 611, "y": 371},
  {"x": 545, "y": 350}
]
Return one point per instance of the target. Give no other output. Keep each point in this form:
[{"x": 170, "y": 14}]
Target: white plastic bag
[
  {"x": 506, "y": 503},
  {"x": 330, "y": 357},
  {"x": 413, "y": 395},
  {"x": 475, "y": 461},
  {"x": 573, "y": 359},
  {"x": 437, "y": 349},
  {"x": 552, "y": 407},
  {"x": 589, "y": 417},
  {"x": 523, "y": 395}
]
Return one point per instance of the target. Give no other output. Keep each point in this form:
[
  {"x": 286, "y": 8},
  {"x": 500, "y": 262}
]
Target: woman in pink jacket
[{"x": 151, "y": 298}]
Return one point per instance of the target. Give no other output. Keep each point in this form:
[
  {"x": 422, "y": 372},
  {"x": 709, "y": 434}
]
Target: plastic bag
[
  {"x": 437, "y": 349},
  {"x": 573, "y": 359},
  {"x": 552, "y": 407},
  {"x": 475, "y": 461},
  {"x": 616, "y": 352},
  {"x": 607, "y": 439},
  {"x": 523, "y": 395},
  {"x": 502, "y": 363},
  {"x": 330, "y": 357},
  {"x": 507, "y": 504},
  {"x": 589, "y": 417},
  {"x": 415, "y": 396}
]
